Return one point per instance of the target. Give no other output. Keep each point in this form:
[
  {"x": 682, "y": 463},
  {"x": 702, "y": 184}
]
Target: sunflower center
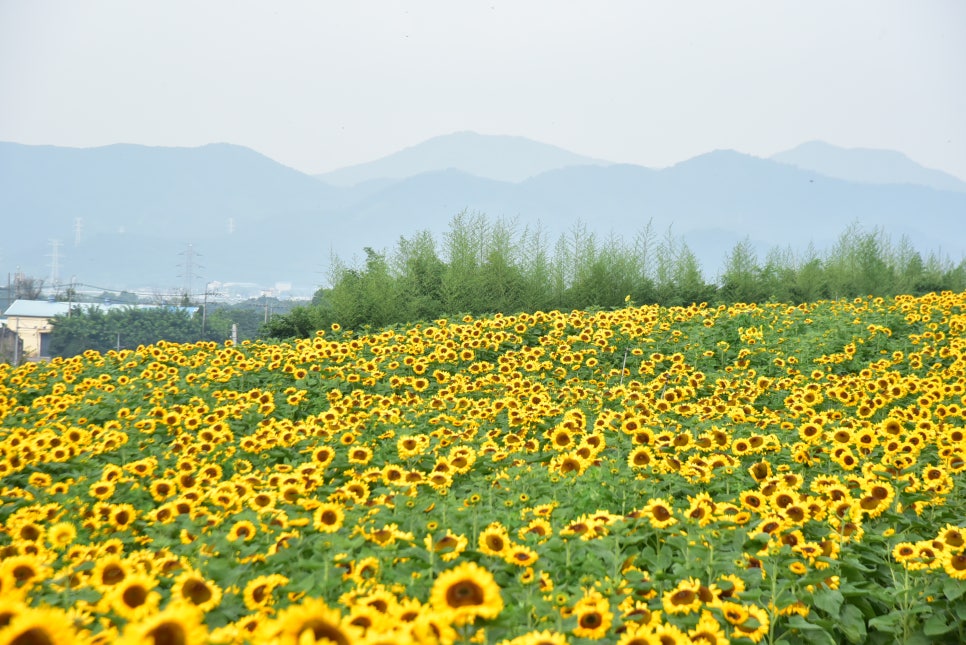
[
  {"x": 590, "y": 620},
  {"x": 34, "y": 636},
  {"x": 135, "y": 596},
  {"x": 494, "y": 542},
  {"x": 30, "y": 533},
  {"x": 167, "y": 633},
  {"x": 683, "y": 597},
  {"x": 324, "y": 629},
  {"x": 197, "y": 592},
  {"x": 23, "y": 573},
  {"x": 463, "y": 594}
]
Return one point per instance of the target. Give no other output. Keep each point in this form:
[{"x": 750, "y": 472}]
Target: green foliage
[
  {"x": 485, "y": 266},
  {"x": 93, "y": 328}
]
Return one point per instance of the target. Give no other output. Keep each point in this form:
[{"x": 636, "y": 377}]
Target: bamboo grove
[{"x": 482, "y": 266}]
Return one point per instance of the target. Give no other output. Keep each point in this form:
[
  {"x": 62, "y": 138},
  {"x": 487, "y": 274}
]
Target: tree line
[
  {"x": 483, "y": 266},
  {"x": 89, "y": 326}
]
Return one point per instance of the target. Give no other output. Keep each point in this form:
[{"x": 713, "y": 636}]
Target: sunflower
[
  {"x": 10, "y": 608},
  {"x": 361, "y": 455},
  {"x": 432, "y": 627},
  {"x": 161, "y": 489},
  {"x": 755, "y": 626},
  {"x": 659, "y": 512},
  {"x": 242, "y": 530},
  {"x": 179, "y": 624},
  {"x": 708, "y": 631},
  {"x": 565, "y": 463},
  {"x": 368, "y": 619},
  {"x": 28, "y": 532},
  {"x": 61, "y": 535},
  {"x": 134, "y": 598},
  {"x": 733, "y": 612},
  {"x": 954, "y": 564},
  {"x": 594, "y": 616},
  {"x": 191, "y": 587},
  {"x": 449, "y": 547},
  {"x": 950, "y": 535},
  {"x": 670, "y": 634},
  {"x": 45, "y": 626},
  {"x": 494, "y": 540},
  {"x": 753, "y": 501},
  {"x": 328, "y": 517},
  {"x": 760, "y": 471},
  {"x": 545, "y": 637},
  {"x": 684, "y": 598},
  {"x": 364, "y": 570},
  {"x": 538, "y": 527},
  {"x": 468, "y": 591},
  {"x": 309, "y": 621},
  {"x": 258, "y": 591},
  {"x": 122, "y": 515},
  {"x": 561, "y": 439},
  {"x": 18, "y": 573},
  {"x": 640, "y": 457},
  {"x": 520, "y": 555},
  {"x": 640, "y": 635}
]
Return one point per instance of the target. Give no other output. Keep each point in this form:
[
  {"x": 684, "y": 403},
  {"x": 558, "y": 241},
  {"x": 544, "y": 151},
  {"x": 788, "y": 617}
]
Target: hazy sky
[{"x": 318, "y": 85}]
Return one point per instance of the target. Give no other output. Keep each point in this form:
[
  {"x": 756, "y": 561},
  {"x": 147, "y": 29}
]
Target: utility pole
[
  {"x": 17, "y": 345},
  {"x": 70, "y": 295}
]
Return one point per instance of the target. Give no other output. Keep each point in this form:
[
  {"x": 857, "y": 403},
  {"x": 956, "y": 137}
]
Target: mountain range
[{"x": 130, "y": 216}]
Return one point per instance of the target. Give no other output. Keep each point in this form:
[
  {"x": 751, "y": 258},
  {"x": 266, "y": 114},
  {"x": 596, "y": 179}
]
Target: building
[{"x": 30, "y": 320}]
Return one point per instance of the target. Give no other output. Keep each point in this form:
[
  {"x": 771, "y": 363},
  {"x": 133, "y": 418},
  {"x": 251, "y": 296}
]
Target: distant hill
[
  {"x": 866, "y": 165},
  {"x": 140, "y": 206},
  {"x": 502, "y": 158},
  {"x": 250, "y": 219},
  {"x": 713, "y": 201}
]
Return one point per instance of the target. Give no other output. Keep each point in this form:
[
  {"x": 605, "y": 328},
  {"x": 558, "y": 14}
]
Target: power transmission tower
[
  {"x": 54, "y": 263},
  {"x": 78, "y": 226},
  {"x": 188, "y": 268}
]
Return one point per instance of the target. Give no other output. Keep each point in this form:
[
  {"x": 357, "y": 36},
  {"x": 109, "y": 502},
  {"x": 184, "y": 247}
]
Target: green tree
[
  {"x": 742, "y": 280},
  {"x": 420, "y": 277},
  {"x": 94, "y": 328},
  {"x": 464, "y": 246}
]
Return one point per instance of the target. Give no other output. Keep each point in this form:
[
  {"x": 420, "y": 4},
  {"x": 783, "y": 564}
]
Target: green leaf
[
  {"x": 887, "y": 623},
  {"x": 852, "y": 624},
  {"x": 829, "y": 601},
  {"x": 954, "y": 589},
  {"x": 936, "y": 625},
  {"x": 815, "y": 633}
]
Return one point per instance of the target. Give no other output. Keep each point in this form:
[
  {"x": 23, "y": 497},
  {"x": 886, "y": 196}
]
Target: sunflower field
[{"x": 734, "y": 474}]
